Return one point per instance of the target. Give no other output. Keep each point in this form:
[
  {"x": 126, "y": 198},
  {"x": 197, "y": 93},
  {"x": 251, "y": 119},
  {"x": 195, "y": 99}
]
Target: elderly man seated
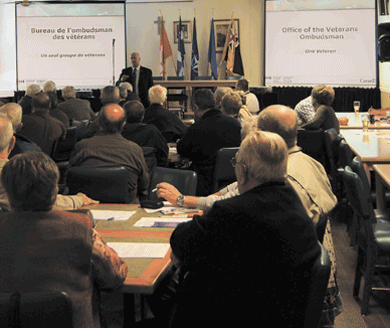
[
  {"x": 44, "y": 249},
  {"x": 108, "y": 148},
  {"x": 264, "y": 232},
  {"x": 166, "y": 121},
  {"x": 7, "y": 143}
]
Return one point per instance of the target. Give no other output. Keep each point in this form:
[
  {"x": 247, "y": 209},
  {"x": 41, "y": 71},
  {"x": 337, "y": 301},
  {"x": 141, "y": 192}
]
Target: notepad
[
  {"x": 140, "y": 250},
  {"x": 112, "y": 215}
]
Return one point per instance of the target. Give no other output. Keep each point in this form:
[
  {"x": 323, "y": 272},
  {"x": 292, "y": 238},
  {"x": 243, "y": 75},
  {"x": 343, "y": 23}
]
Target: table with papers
[{"x": 141, "y": 238}]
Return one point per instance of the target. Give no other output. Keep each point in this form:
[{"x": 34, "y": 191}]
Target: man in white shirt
[{"x": 251, "y": 100}]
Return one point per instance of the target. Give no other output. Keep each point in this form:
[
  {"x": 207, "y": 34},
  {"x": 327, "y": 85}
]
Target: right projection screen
[{"x": 320, "y": 42}]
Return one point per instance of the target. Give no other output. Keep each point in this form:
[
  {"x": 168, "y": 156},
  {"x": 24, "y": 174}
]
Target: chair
[
  {"x": 36, "y": 310},
  {"x": 81, "y": 128},
  {"x": 184, "y": 180},
  {"x": 178, "y": 97},
  {"x": 312, "y": 144},
  {"x": 106, "y": 184},
  {"x": 224, "y": 172},
  {"x": 65, "y": 146},
  {"x": 318, "y": 283},
  {"x": 345, "y": 154},
  {"x": 331, "y": 143},
  {"x": 373, "y": 239}
]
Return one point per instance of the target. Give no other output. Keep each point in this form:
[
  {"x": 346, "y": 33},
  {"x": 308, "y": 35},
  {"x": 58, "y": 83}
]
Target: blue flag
[
  {"x": 180, "y": 50},
  {"x": 212, "y": 56},
  {"x": 195, "y": 54}
]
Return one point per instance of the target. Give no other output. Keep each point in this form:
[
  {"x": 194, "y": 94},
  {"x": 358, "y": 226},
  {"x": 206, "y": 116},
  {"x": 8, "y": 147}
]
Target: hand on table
[
  {"x": 87, "y": 200},
  {"x": 167, "y": 191}
]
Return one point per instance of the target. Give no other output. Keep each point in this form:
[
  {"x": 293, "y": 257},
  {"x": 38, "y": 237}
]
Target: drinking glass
[
  {"x": 366, "y": 122},
  {"x": 356, "y": 106}
]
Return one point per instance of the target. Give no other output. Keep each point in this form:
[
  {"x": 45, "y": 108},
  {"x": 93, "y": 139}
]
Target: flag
[
  {"x": 195, "y": 54},
  {"x": 233, "y": 52},
  {"x": 165, "y": 47},
  {"x": 212, "y": 55},
  {"x": 180, "y": 50}
]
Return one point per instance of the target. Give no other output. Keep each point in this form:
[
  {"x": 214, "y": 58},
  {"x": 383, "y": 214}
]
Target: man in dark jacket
[{"x": 212, "y": 131}]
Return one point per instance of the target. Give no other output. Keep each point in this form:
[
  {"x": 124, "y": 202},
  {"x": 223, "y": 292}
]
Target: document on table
[
  {"x": 162, "y": 222},
  {"x": 112, "y": 215},
  {"x": 140, "y": 250}
]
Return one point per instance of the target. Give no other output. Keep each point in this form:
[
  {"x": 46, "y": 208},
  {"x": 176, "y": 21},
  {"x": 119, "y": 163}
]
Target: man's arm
[{"x": 108, "y": 269}]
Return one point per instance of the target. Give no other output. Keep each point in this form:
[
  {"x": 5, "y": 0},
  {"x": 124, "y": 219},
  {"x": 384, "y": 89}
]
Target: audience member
[
  {"x": 75, "y": 108},
  {"x": 49, "y": 86},
  {"x": 40, "y": 127},
  {"x": 108, "y": 148},
  {"x": 219, "y": 93},
  {"x": 140, "y": 77},
  {"x": 325, "y": 118},
  {"x": 212, "y": 131},
  {"x": 25, "y": 101},
  {"x": 13, "y": 112},
  {"x": 7, "y": 142},
  {"x": 144, "y": 135},
  {"x": 321, "y": 95},
  {"x": 49, "y": 250},
  {"x": 306, "y": 175},
  {"x": 231, "y": 105},
  {"x": 167, "y": 122},
  {"x": 54, "y": 111},
  {"x": 126, "y": 93},
  {"x": 110, "y": 95},
  {"x": 244, "y": 113},
  {"x": 246, "y": 234},
  {"x": 251, "y": 100}
]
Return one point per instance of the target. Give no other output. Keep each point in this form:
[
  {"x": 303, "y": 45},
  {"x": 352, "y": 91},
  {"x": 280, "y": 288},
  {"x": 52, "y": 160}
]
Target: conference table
[
  {"x": 355, "y": 121},
  {"x": 144, "y": 274},
  {"x": 372, "y": 147}
]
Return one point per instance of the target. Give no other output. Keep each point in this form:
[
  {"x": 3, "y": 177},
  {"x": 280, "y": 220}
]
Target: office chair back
[
  {"x": 312, "y": 144},
  {"x": 106, "y": 184},
  {"x": 157, "y": 78},
  {"x": 81, "y": 128},
  {"x": 224, "y": 173},
  {"x": 345, "y": 154},
  {"x": 65, "y": 146},
  {"x": 36, "y": 310},
  {"x": 318, "y": 282},
  {"x": 184, "y": 180},
  {"x": 234, "y": 77}
]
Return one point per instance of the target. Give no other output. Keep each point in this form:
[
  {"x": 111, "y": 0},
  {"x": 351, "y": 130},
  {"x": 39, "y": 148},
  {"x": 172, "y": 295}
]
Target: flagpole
[{"x": 226, "y": 43}]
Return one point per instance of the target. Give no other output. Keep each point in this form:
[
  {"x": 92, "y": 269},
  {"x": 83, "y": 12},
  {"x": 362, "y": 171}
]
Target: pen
[
  {"x": 155, "y": 189},
  {"x": 110, "y": 219}
]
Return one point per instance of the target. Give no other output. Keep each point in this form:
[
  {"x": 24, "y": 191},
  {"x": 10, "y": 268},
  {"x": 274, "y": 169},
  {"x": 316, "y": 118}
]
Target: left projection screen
[{"x": 82, "y": 45}]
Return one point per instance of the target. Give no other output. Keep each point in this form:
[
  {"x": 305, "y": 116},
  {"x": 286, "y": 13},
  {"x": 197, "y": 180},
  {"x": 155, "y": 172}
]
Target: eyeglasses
[{"x": 233, "y": 161}]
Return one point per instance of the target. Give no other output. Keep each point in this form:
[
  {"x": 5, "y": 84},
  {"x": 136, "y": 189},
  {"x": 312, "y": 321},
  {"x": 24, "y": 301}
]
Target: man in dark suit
[
  {"x": 139, "y": 77},
  {"x": 246, "y": 262},
  {"x": 212, "y": 131}
]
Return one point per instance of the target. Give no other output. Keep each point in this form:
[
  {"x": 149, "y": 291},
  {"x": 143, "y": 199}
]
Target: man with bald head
[
  {"x": 109, "y": 148},
  {"x": 305, "y": 175},
  {"x": 140, "y": 77}
]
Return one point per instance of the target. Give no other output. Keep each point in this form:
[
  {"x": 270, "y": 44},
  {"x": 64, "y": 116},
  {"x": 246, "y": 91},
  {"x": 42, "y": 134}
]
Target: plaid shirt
[{"x": 305, "y": 110}]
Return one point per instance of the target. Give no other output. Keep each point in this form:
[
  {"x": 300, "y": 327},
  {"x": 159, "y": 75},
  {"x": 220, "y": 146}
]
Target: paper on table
[
  {"x": 112, "y": 215},
  {"x": 140, "y": 250},
  {"x": 162, "y": 222}
]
